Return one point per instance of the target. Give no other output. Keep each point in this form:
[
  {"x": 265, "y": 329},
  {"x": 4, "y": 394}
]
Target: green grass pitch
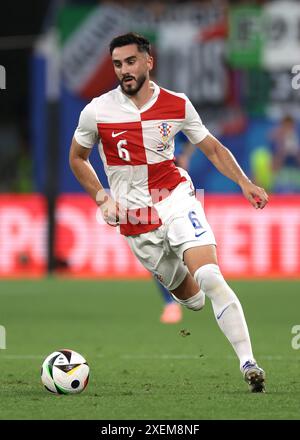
[{"x": 140, "y": 368}]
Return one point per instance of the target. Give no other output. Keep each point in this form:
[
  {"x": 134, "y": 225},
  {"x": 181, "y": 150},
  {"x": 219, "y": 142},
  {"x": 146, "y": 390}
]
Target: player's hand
[
  {"x": 111, "y": 210},
  {"x": 257, "y": 196}
]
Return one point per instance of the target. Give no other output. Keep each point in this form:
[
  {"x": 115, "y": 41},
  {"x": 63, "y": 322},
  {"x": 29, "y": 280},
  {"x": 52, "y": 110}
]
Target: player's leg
[
  {"x": 192, "y": 239},
  {"x": 188, "y": 293},
  {"x": 167, "y": 267},
  {"x": 202, "y": 264},
  {"x": 172, "y": 312}
]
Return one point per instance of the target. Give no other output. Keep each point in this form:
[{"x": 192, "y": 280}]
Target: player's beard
[{"x": 133, "y": 88}]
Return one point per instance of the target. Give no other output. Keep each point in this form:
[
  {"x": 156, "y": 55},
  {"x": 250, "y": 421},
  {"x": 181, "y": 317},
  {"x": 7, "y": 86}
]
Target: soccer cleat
[
  {"x": 254, "y": 376},
  {"x": 172, "y": 314}
]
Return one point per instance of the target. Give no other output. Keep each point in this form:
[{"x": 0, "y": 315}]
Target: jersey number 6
[{"x": 123, "y": 153}]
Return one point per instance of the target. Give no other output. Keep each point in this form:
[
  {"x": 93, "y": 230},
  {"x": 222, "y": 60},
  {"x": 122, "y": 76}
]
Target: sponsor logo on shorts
[{"x": 201, "y": 233}]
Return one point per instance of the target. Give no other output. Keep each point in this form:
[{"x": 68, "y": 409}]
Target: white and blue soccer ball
[{"x": 65, "y": 372}]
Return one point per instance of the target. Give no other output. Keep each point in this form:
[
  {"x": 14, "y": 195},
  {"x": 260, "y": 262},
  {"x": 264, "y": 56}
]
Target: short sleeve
[
  {"x": 193, "y": 127},
  {"x": 86, "y": 133}
]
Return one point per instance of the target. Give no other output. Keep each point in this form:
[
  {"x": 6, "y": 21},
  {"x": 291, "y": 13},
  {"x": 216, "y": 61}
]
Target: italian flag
[{"x": 84, "y": 34}]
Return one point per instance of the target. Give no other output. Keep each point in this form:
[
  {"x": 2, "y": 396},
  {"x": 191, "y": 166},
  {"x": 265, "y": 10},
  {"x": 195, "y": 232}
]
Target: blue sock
[{"x": 164, "y": 292}]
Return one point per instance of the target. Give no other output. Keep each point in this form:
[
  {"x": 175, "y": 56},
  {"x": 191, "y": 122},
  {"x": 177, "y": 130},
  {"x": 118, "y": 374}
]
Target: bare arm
[
  {"x": 83, "y": 170},
  {"x": 87, "y": 177},
  {"x": 226, "y": 163}
]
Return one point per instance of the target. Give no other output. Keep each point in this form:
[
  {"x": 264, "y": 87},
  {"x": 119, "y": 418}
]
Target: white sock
[
  {"x": 227, "y": 309},
  {"x": 196, "y": 302}
]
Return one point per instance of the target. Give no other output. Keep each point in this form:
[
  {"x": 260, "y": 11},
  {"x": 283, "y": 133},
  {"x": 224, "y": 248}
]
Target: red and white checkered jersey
[{"x": 137, "y": 146}]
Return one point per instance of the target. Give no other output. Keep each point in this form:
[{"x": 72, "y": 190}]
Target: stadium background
[
  {"x": 238, "y": 77},
  {"x": 237, "y": 61}
]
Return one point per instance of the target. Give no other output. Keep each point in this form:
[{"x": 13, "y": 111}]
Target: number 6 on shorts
[{"x": 195, "y": 222}]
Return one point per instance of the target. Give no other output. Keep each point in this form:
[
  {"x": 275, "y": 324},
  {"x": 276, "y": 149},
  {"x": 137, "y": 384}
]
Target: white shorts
[{"x": 184, "y": 226}]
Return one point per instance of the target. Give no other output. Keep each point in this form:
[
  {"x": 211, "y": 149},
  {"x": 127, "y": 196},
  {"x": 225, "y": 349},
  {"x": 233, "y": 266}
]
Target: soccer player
[{"x": 153, "y": 202}]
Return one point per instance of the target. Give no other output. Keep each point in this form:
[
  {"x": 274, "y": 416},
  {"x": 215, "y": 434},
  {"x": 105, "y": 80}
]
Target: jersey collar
[{"x": 124, "y": 99}]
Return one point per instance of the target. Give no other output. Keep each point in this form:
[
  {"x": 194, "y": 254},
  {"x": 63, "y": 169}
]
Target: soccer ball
[{"x": 65, "y": 372}]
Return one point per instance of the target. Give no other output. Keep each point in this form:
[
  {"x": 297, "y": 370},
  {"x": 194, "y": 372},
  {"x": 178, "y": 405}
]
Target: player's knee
[
  {"x": 211, "y": 280},
  {"x": 209, "y": 277}
]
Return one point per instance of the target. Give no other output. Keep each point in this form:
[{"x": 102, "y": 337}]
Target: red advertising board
[
  {"x": 251, "y": 243},
  {"x": 22, "y": 235}
]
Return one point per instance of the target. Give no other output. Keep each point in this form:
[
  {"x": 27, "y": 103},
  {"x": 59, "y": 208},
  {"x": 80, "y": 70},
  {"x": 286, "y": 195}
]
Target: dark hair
[{"x": 142, "y": 43}]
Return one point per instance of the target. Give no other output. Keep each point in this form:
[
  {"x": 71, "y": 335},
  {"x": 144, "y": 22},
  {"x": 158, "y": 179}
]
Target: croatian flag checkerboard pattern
[{"x": 129, "y": 140}]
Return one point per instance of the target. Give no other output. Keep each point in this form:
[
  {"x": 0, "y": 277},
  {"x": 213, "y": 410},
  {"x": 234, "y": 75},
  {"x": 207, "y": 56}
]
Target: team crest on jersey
[{"x": 165, "y": 130}]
